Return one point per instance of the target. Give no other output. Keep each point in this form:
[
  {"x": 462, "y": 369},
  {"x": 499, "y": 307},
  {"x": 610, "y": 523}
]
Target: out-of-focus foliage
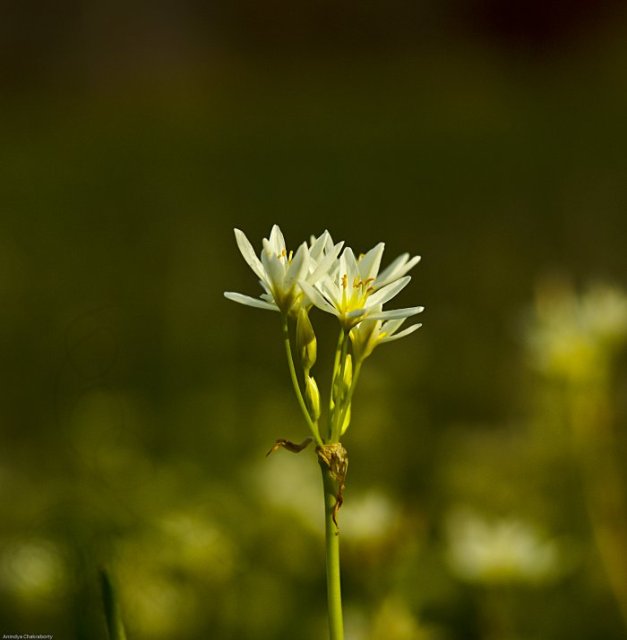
[{"x": 486, "y": 494}]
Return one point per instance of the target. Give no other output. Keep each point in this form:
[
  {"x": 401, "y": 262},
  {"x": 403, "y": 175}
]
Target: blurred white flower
[
  {"x": 574, "y": 336},
  {"x": 291, "y": 487},
  {"x": 390, "y": 619},
  {"x": 369, "y": 517},
  {"x": 394, "y": 620},
  {"x": 33, "y": 570},
  {"x": 352, "y": 290},
  {"x": 500, "y": 551},
  {"x": 184, "y": 542}
]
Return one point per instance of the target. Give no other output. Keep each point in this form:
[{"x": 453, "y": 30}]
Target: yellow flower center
[{"x": 354, "y": 297}]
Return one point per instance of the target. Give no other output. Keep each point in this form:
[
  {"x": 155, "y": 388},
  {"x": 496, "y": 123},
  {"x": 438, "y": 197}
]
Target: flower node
[{"x": 335, "y": 457}]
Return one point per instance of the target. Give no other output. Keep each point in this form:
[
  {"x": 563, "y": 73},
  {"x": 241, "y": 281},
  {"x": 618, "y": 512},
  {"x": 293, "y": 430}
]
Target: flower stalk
[
  {"x": 340, "y": 392},
  {"x": 311, "y": 423},
  {"x": 332, "y": 547}
]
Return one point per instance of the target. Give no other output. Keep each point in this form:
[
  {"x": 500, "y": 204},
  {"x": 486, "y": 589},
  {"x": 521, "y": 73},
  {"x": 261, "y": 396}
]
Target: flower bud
[
  {"x": 312, "y": 395},
  {"x": 342, "y": 385},
  {"x": 365, "y": 338},
  {"x": 347, "y": 420},
  {"x": 306, "y": 342},
  {"x": 348, "y": 373}
]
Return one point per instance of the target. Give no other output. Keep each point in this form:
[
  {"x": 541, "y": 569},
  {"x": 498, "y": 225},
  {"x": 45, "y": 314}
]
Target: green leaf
[{"x": 111, "y": 608}]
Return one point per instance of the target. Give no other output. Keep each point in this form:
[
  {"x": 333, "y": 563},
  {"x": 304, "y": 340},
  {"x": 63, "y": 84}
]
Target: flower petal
[
  {"x": 370, "y": 263},
  {"x": 348, "y": 265},
  {"x": 249, "y": 254},
  {"x": 317, "y": 298},
  {"x": 396, "y": 269},
  {"x": 330, "y": 289},
  {"x": 392, "y": 326},
  {"x": 395, "y": 336},
  {"x": 317, "y": 245},
  {"x": 273, "y": 266},
  {"x": 298, "y": 266},
  {"x": 395, "y": 313},
  {"x": 325, "y": 264},
  {"x": 388, "y": 292},
  {"x": 388, "y": 272},
  {"x": 277, "y": 241},
  {"x": 251, "y": 302}
]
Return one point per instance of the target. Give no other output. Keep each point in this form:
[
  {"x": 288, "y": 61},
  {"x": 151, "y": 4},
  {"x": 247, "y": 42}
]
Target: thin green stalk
[
  {"x": 334, "y": 591},
  {"x": 336, "y": 425},
  {"x": 349, "y": 397},
  {"x": 313, "y": 426},
  {"x": 336, "y": 366}
]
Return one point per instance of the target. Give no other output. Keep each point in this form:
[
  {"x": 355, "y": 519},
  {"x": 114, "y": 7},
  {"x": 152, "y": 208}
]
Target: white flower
[
  {"x": 353, "y": 289},
  {"x": 370, "y": 517},
  {"x": 574, "y": 337},
  {"x": 279, "y": 272},
  {"x": 370, "y": 333},
  {"x": 501, "y": 551}
]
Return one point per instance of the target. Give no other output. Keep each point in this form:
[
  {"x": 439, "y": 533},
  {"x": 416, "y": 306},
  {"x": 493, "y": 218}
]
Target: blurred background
[{"x": 486, "y": 491}]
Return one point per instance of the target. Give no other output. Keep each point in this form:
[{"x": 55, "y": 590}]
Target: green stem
[
  {"x": 349, "y": 396},
  {"x": 313, "y": 426},
  {"x": 336, "y": 424},
  {"x": 336, "y": 366},
  {"x": 334, "y": 591}
]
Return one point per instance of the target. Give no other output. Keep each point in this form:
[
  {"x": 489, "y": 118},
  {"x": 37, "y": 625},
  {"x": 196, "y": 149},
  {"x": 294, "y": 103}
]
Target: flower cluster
[{"x": 352, "y": 288}]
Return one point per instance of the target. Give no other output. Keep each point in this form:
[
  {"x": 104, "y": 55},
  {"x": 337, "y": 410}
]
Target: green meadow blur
[{"x": 486, "y": 496}]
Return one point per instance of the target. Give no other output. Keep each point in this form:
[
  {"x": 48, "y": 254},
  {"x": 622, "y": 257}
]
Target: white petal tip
[{"x": 249, "y": 301}]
